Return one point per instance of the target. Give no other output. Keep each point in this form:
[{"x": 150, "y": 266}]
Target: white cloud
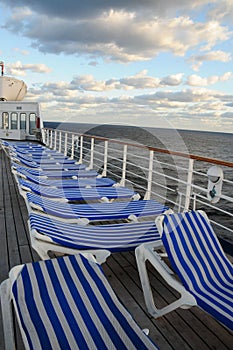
[
  {"x": 105, "y": 34},
  {"x": 195, "y": 80},
  {"x": 217, "y": 55},
  {"x": 19, "y": 69}
]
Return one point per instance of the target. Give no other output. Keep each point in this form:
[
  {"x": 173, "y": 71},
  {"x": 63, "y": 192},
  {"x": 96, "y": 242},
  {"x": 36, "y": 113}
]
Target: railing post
[
  {"x": 55, "y": 140},
  {"x": 122, "y": 182},
  {"x": 72, "y": 147},
  {"x": 92, "y": 154},
  {"x": 66, "y": 146},
  {"x": 43, "y": 133},
  {"x": 47, "y": 137},
  {"x": 60, "y": 136},
  {"x": 189, "y": 185},
  {"x": 51, "y": 139},
  {"x": 104, "y": 173},
  {"x": 150, "y": 173},
  {"x": 81, "y": 150}
]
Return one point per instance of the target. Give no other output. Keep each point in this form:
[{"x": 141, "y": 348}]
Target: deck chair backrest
[
  {"x": 200, "y": 262},
  {"x": 67, "y": 303}
]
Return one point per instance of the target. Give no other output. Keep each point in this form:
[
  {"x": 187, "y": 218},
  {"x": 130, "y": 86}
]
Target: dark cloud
[{"x": 87, "y": 8}]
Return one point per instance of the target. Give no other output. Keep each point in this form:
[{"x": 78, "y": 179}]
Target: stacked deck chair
[
  {"x": 50, "y": 235},
  {"x": 74, "y": 194},
  {"x": 206, "y": 275},
  {"x": 63, "y": 182},
  {"x": 73, "y": 213},
  {"x": 67, "y": 303},
  {"x": 42, "y": 179}
]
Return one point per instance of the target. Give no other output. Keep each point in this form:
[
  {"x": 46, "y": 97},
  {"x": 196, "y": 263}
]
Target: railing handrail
[{"x": 155, "y": 149}]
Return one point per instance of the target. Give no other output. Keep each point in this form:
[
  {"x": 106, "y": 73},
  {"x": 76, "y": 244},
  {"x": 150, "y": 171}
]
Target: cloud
[
  {"x": 222, "y": 11},
  {"x": 19, "y": 69},
  {"x": 195, "y": 80},
  {"x": 217, "y": 55},
  {"x": 89, "y": 8},
  {"x": 104, "y": 34}
]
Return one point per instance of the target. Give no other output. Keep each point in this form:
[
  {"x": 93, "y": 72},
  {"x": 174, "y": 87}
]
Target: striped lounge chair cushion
[
  {"x": 200, "y": 262},
  {"x": 67, "y": 303},
  {"x": 116, "y": 237},
  {"x": 97, "y": 211},
  {"x": 59, "y": 172},
  {"x": 52, "y": 168},
  {"x": 65, "y": 183},
  {"x": 78, "y": 194},
  {"x": 43, "y": 160}
]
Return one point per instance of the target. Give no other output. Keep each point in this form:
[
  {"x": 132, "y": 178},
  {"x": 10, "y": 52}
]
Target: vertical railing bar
[
  {"x": 72, "y": 146},
  {"x": 51, "y": 139},
  {"x": 123, "y": 177},
  {"x": 104, "y": 173},
  {"x": 65, "y": 146},
  {"x": 189, "y": 184},
  {"x": 47, "y": 137},
  {"x": 55, "y": 140},
  {"x": 92, "y": 154},
  {"x": 81, "y": 150},
  {"x": 60, "y": 137},
  {"x": 150, "y": 173}
]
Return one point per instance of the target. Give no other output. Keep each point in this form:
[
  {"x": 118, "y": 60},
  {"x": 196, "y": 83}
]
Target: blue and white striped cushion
[
  {"x": 200, "y": 262},
  {"x": 52, "y": 169},
  {"x": 60, "y": 172},
  {"x": 97, "y": 211},
  {"x": 65, "y": 183},
  {"x": 77, "y": 194},
  {"x": 115, "y": 237},
  {"x": 67, "y": 303}
]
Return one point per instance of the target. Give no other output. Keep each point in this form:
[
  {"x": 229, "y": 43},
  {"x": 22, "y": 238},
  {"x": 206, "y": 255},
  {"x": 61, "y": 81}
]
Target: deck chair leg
[
  {"x": 7, "y": 315},
  {"x": 147, "y": 252}
]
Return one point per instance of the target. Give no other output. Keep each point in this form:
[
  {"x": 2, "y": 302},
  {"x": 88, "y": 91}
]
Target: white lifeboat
[{"x": 11, "y": 89}]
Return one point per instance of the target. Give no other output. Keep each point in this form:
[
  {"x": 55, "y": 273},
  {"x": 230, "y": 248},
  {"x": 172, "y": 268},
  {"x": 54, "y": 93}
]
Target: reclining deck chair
[
  {"x": 58, "y": 172},
  {"x": 67, "y": 303},
  {"x": 33, "y": 162},
  {"x": 40, "y": 170},
  {"x": 51, "y": 235},
  {"x": 198, "y": 259},
  {"x": 63, "y": 182},
  {"x": 96, "y": 211},
  {"x": 76, "y": 193}
]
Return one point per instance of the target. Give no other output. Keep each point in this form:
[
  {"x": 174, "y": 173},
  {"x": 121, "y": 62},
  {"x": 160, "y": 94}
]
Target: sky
[{"x": 151, "y": 63}]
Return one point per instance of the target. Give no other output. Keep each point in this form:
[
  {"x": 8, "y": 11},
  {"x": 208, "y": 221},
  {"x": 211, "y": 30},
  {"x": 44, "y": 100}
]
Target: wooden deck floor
[{"x": 181, "y": 329}]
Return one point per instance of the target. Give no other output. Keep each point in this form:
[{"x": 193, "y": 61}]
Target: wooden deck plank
[
  {"x": 181, "y": 329},
  {"x": 194, "y": 325}
]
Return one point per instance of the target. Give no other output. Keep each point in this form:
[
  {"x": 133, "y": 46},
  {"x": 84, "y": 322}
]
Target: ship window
[
  {"x": 23, "y": 121},
  {"x": 5, "y": 120},
  {"x": 14, "y": 121},
  {"x": 32, "y": 122}
]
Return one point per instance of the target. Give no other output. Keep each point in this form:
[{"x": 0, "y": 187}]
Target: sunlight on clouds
[
  {"x": 217, "y": 55},
  {"x": 19, "y": 69}
]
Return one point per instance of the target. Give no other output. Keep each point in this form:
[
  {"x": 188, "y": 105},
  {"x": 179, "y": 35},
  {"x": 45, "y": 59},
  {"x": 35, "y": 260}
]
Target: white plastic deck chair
[
  {"x": 198, "y": 259},
  {"x": 118, "y": 210},
  {"x": 51, "y": 235},
  {"x": 67, "y": 303}
]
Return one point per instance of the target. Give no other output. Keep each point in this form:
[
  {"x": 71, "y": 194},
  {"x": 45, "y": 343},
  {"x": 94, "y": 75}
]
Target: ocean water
[{"x": 207, "y": 144}]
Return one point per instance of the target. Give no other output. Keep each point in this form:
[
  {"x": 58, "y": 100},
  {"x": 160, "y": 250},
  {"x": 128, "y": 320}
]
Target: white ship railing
[{"x": 177, "y": 179}]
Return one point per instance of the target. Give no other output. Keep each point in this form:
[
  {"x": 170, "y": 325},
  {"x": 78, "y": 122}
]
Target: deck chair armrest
[{"x": 146, "y": 252}]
